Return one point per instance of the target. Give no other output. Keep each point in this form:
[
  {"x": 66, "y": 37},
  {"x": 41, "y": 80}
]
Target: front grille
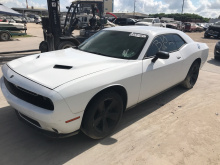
[{"x": 29, "y": 96}]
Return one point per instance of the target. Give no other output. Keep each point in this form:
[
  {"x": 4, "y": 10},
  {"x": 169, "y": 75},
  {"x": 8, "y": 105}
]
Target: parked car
[
  {"x": 217, "y": 51},
  {"x": 150, "y": 22},
  {"x": 37, "y": 20},
  {"x": 175, "y": 25},
  {"x": 190, "y": 27},
  {"x": 10, "y": 19},
  {"x": 124, "y": 21},
  {"x": 31, "y": 20},
  {"x": 199, "y": 28},
  {"x": 90, "y": 86},
  {"x": 17, "y": 19},
  {"x": 213, "y": 31},
  {"x": 203, "y": 25}
]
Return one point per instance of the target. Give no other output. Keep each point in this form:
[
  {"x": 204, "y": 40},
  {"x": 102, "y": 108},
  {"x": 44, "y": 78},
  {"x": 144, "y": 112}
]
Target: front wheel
[
  {"x": 192, "y": 76},
  {"x": 102, "y": 115}
]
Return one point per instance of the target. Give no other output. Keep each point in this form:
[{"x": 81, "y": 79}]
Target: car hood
[{"x": 53, "y": 69}]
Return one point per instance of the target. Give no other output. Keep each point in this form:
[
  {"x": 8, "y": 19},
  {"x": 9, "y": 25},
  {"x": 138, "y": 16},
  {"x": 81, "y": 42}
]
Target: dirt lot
[{"x": 175, "y": 128}]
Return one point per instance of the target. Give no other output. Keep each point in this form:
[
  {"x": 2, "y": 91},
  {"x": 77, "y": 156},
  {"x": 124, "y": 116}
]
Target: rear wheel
[
  {"x": 4, "y": 36},
  {"x": 216, "y": 58},
  {"x": 102, "y": 115},
  {"x": 65, "y": 45},
  {"x": 192, "y": 76}
]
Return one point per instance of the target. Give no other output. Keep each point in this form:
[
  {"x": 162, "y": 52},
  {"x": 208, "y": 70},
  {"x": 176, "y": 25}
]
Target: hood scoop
[{"x": 62, "y": 67}]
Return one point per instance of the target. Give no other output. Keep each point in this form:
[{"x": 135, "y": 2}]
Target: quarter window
[{"x": 179, "y": 41}]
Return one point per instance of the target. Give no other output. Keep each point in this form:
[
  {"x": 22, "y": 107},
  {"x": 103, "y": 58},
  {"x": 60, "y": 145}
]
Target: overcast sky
[{"x": 205, "y": 8}]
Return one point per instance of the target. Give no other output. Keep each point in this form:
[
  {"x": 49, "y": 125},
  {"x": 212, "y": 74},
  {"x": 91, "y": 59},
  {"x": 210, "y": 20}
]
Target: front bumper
[
  {"x": 50, "y": 134},
  {"x": 52, "y": 121}
]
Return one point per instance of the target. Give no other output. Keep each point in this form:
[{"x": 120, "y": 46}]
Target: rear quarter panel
[{"x": 193, "y": 51}]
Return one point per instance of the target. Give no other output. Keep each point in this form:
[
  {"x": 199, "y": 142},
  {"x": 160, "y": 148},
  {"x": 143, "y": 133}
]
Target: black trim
[
  {"x": 28, "y": 119},
  {"x": 28, "y": 96},
  {"x": 42, "y": 131},
  {"x": 62, "y": 67}
]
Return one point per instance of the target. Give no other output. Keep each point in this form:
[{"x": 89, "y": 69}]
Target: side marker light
[{"x": 68, "y": 121}]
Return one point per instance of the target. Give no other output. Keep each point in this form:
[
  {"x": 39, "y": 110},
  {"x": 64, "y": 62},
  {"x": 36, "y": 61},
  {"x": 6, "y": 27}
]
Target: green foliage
[{"x": 186, "y": 17}]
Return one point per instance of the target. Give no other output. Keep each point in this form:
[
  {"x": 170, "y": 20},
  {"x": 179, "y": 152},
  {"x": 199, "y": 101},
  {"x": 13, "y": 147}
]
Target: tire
[
  {"x": 65, "y": 45},
  {"x": 102, "y": 115},
  {"x": 216, "y": 58},
  {"x": 206, "y": 36},
  {"x": 192, "y": 76},
  {"x": 4, "y": 36},
  {"x": 43, "y": 47}
]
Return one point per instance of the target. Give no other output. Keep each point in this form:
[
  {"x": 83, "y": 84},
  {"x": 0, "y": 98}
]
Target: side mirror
[{"x": 161, "y": 55}]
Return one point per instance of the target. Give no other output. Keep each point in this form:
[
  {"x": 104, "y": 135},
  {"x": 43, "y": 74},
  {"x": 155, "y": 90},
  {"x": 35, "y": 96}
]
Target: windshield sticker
[{"x": 137, "y": 35}]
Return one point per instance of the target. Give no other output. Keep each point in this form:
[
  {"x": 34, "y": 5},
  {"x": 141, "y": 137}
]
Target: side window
[
  {"x": 161, "y": 43},
  {"x": 178, "y": 40}
]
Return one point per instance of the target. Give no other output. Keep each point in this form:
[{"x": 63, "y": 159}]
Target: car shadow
[
  {"x": 214, "y": 62},
  {"x": 20, "y": 144},
  {"x": 211, "y": 38}
]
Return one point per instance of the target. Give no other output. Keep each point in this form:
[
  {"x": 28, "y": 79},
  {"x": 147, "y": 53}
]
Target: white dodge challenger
[{"x": 89, "y": 87}]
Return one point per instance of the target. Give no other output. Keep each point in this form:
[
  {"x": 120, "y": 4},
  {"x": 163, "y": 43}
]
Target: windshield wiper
[{"x": 94, "y": 52}]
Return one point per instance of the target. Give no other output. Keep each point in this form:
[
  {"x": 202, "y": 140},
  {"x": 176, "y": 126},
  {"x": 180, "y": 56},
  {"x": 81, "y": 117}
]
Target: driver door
[{"x": 164, "y": 73}]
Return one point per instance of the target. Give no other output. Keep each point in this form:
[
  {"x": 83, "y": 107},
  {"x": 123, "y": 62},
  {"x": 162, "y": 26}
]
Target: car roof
[{"x": 151, "y": 31}]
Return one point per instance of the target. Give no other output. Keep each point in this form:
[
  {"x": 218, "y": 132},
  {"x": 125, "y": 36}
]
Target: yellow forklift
[{"x": 56, "y": 38}]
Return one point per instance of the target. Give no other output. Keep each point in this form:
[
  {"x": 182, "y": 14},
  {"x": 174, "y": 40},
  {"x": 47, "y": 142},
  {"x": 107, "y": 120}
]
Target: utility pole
[
  {"x": 134, "y": 8},
  {"x": 26, "y": 4},
  {"x": 182, "y": 11},
  {"x": 183, "y": 6}
]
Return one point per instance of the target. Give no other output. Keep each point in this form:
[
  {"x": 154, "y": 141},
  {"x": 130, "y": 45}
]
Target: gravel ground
[{"x": 175, "y": 128}]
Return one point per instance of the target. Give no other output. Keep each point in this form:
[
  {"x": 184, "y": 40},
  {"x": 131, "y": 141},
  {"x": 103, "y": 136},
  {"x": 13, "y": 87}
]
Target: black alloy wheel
[
  {"x": 102, "y": 115},
  {"x": 192, "y": 76}
]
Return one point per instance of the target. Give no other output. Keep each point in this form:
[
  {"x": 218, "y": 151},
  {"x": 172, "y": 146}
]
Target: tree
[{"x": 186, "y": 17}]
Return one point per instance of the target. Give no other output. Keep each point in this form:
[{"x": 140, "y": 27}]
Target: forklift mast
[
  {"x": 54, "y": 17},
  {"x": 51, "y": 27}
]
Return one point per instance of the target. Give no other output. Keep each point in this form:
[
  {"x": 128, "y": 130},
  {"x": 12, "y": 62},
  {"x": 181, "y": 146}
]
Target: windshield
[{"x": 117, "y": 44}]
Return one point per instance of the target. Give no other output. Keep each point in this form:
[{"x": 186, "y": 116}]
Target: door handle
[{"x": 178, "y": 57}]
